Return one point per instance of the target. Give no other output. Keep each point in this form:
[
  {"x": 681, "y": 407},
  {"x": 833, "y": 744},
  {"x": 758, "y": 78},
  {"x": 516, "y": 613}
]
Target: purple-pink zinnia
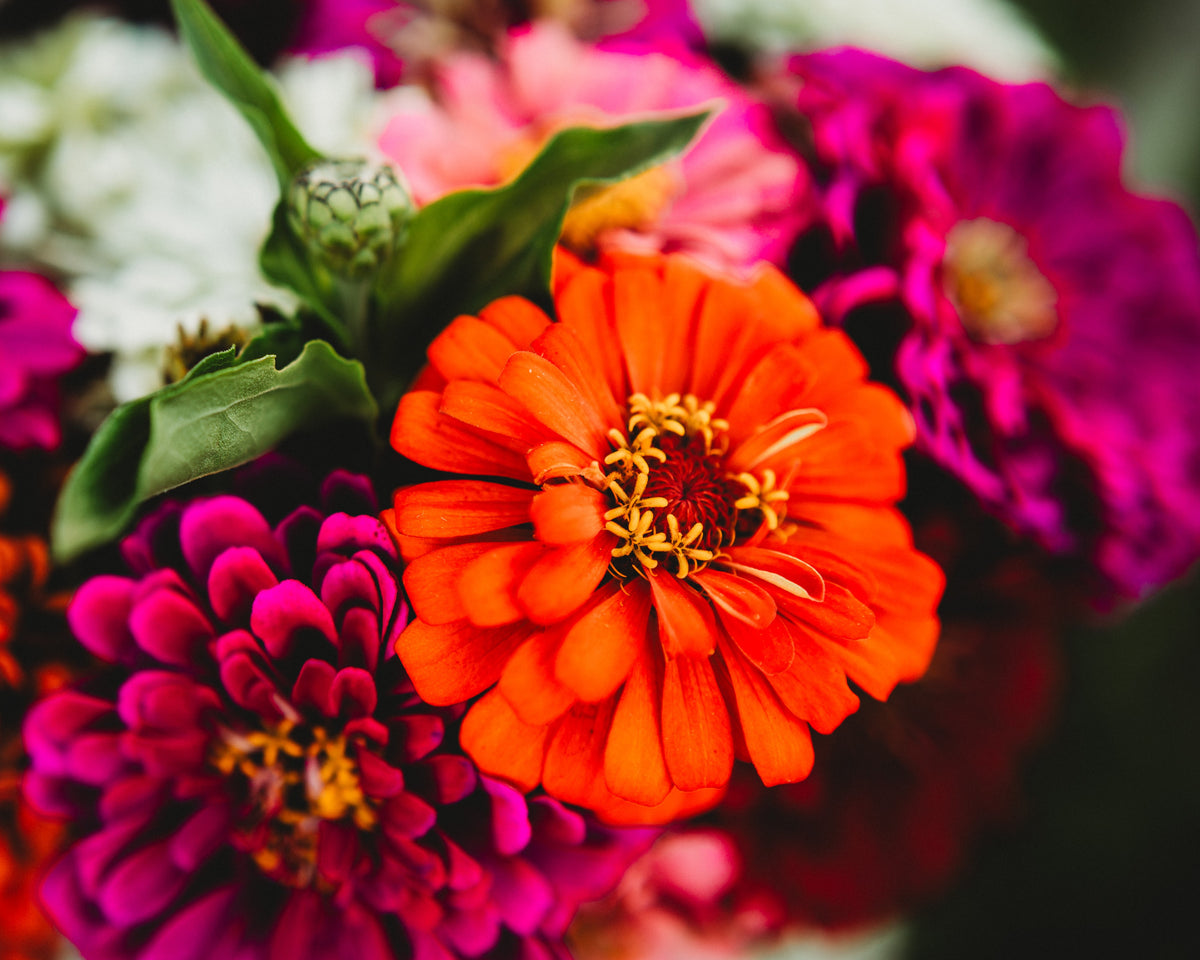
[
  {"x": 736, "y": 197},
  {"x": 1055, "y": 315},
  {"x": 36, "y": 348},
  {"x": 256, "y": 778}
]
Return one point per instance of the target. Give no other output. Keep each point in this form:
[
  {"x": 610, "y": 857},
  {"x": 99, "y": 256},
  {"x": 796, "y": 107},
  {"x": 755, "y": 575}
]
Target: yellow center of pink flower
[
  {"x": 673, "y": 499},
  {"x": 635, "y": 203},
  {"x": 292, "y": 777},
  {"x": 1000, "y": 294}
]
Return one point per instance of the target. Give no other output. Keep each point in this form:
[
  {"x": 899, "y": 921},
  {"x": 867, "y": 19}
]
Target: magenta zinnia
[
  {"x": 1055, "y": 314},
  {"x": 256, "y": 777},
  {"x": 36, "y": 348}
]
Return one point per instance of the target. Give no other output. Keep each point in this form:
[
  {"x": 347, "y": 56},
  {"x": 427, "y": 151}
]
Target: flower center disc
[
  {"x": 1000, "y": 294},
  {"x": 674, "y": 499},
  {"x": 289, "y": 778}
]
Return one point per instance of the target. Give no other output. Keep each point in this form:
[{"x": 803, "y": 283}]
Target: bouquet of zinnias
[{"x": 522, "y": 495}]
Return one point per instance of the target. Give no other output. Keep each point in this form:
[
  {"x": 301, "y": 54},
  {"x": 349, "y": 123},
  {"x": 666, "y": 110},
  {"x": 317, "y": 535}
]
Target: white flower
[
  {"x": 135, "y": 183},
  {"x": 989, "y": 35}
]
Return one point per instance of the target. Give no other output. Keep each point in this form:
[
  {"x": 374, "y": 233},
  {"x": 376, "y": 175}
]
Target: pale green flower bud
[{"x": 353, "y": 214}]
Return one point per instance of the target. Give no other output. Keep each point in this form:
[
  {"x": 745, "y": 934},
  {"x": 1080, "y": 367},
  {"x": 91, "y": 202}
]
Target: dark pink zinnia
[
  {"x": 1054, "y": 315},
  {"x": 36, "y": 347},
  {"x": 256, "y": 778}
]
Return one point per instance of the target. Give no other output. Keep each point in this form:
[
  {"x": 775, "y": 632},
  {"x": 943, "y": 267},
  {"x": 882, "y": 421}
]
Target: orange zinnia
[{"x": 678, "y": 542}]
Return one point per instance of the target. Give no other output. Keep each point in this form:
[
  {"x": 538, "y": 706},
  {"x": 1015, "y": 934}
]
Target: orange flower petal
[
  {"x": 452, "y": 662},
  {"x": 880, "y": 410},
  {"x": 529, "y": 685},
  {"x": 841, "y": 462},
  {"x": 721, "y": 343},
  {"x": 556, "y": 460},
  {"x": 634, "y": 766},
  {"x": 578, "y": 304},
  {"x": 470, "y": 349},
  {"x": 777, "y": 571},
  {"x": 686, "y": 621},
  {"x": 459, "y": 508},
  {"x": 787, "y": 314},
  {"x": 642, "y": 324},
  {"x": 568, "y": 513},
  {"x": 769, "y": 648},
  {"x": 697, "y": 739},
  {"x": 840, "y": 363},
  {"x": 421, "y": 433},
  {"x": 840, "y": 615},
  {"x": 601, "y": 646},
  {"x": 561, "y": 345},
  {"x": 556, "y": 402},
  {"x": 488, "y": 585},
  {"x": 489, "y": 408},
  {"x": 517, "y": 318},
  {"x": 775, "y": 441},
  {"x": 501, "y": 745},
  {"x": 814, "y": 687},
  {"x": 737, "y": 597},
  {"x": 896, "y": 652},
  {"x": 574, "y": 767},
  {"x": 426, "y": 578},
  {"x": 564, "y": 578},
  {"x": 779, "y": 744},
  {"x": 767, "y": 391}
]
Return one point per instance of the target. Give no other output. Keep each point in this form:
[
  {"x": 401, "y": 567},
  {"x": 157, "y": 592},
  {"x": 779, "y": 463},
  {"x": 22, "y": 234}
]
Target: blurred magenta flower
[
  {"x": 36, "y": 348},
  {"x": 255, "y": 778},
  {"x": 328, "y": 26},
  {"x": 738, "y": 196},
  {"x": 1055, "y": 314},
  {"x": 399, "y": 36}
]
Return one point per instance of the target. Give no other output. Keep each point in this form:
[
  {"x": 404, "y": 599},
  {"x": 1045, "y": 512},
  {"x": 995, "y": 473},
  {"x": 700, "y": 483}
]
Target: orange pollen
[
  {"x": 292, "y": 777},
  {"x": 674, "y": 500},
  {"x": 1000, "y": 294}
]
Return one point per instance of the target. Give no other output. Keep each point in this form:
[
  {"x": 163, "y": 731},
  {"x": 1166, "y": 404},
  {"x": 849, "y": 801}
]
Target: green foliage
[
  {"x": 227, "y": 66},
  {"x": 223, "y": 414},
  {"x": 474, "y": 246}
]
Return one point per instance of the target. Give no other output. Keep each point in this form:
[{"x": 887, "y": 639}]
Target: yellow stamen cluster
[
  {"x": 684, "y": 416},
  {"x": 293, "y": 787},
  {"x": 762, "y": 495},
  {"x": 632, "y": 520}
]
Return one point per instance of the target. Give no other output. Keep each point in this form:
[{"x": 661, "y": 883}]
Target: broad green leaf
[
  {"x": 223, "y": 414},
  {"x": 471, "y": 247},
  {"x": 227, "y": 66}
]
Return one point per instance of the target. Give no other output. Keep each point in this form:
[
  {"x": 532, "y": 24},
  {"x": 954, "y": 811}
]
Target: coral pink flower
[{"x": 735, "y": 198}]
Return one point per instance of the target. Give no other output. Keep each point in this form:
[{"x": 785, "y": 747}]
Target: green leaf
[
  {"x": 471, "y": 247},
  {"x": 223, "y": 414},
  {"x": 227, "y": 66}
]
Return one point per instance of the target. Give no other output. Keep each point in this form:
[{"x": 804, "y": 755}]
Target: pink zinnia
[
  {"x": 1054, "y": 315},
  {"x": 735, "y": 198},
  {"x": 254, "y": 777},
  {"x": 36, "y": 348}
]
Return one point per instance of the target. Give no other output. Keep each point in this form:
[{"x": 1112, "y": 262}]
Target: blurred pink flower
[
  {"x": 672, "y": 903},
  {"x": 735, "y": 198}
]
